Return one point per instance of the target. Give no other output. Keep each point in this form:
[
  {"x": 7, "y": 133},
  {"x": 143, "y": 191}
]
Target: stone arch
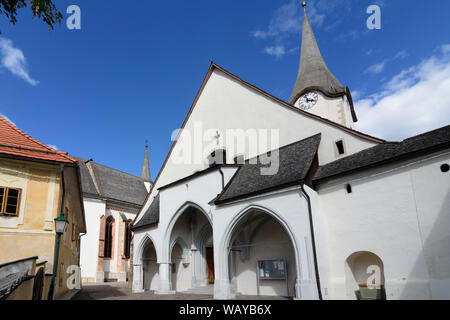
[
  {"x": 259, "y": 222},
  {"x": 147, "y": 268},
  {"x": 140, "y": 249},
  {"x": 225, "y": 243},
  {"x": 184, "y": 223},
  {"x": 203, "y": 236},
  {"x": 364, "y": 276},
  {"x": 184, "y": 249},
  {"x": 165, "y": 255}
]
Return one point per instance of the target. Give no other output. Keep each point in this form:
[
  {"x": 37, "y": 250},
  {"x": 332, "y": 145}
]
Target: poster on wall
[{"x": 272, "y": 269}]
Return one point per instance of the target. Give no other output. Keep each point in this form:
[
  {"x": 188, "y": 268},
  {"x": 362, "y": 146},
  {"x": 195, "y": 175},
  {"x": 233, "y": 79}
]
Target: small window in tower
[
  {"x": 340, "y": 147},
  {"x": 348, "y": 187},
  {"x": 445, "y": 168}
]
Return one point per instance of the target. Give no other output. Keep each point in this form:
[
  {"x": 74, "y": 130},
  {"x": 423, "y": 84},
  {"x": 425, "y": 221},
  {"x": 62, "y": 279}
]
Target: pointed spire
[
  {"x": 145, "y": 175},
  {"x": 313, "y": 72}
]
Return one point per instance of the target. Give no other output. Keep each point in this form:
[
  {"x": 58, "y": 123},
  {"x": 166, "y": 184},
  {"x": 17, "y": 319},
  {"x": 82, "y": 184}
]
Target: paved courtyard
[{"x": 119, "y": 291}]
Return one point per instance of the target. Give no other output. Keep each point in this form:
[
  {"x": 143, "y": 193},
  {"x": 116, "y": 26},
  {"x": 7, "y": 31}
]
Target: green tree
[{"x": 44, "y": 9}]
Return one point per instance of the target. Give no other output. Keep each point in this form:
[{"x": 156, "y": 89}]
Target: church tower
[
  {"x": 145, "y": 174},
  {"x": 317, "y": 90}
]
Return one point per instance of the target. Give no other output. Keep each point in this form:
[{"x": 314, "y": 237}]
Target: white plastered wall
[
  {"x": 228, "y": 104},
  {"x": 398, "y": 212},
  {"x": 93, "y": 209}
]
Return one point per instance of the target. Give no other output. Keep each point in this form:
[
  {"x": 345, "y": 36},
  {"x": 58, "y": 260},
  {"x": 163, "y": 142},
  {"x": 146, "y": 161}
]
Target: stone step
[{"x": 207, "y": 290}]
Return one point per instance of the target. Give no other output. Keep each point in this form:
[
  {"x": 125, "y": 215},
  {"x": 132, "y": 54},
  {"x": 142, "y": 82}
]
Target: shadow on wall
[
  {"x": 259, "y": 237},
  {"x": 436, "y": 251},
  {"x": 149, "y": 267}
]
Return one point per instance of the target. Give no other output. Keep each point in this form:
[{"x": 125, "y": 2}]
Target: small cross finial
[
  {"x": 217, "y": 137},
  {"x": 146, "y": 144}
]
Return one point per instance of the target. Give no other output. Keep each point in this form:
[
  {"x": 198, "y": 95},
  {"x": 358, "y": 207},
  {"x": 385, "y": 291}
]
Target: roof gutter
[{"x": 313, "y": 241}]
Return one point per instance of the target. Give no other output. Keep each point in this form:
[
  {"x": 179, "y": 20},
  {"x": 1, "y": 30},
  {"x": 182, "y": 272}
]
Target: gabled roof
[
  {"x": 151, "y": 216},
  {"x": 112, "y": 184},
  {"x": 295, "y": 161},
  {"x": 87, "y": 182},
  {"x": 214, "y": 67},
  {"x": 386, "y": 152},
  {"x": 14, "y": 142}
]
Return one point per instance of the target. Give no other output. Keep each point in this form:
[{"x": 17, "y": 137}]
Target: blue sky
[{"x": 132, "y": 73}]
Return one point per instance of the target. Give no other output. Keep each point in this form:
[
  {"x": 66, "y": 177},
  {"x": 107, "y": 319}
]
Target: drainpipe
[
  {"x": 51, "y": 291},
  {"x": 223, "y": 178},
  {"x": 313, "y": 241}
]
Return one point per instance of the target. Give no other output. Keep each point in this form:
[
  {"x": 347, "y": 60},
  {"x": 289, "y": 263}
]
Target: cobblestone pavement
[{"x": 116, "y": 291}]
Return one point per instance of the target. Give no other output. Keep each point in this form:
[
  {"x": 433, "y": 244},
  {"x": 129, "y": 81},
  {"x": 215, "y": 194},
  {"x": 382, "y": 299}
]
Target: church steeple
[
  {"x": 313, "y": 72},
  {"x": 145, "y": 174}
]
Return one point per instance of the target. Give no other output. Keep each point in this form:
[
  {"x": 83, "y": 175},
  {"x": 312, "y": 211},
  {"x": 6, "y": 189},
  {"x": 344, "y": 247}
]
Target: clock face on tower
[{"x": 308, "y": 100}]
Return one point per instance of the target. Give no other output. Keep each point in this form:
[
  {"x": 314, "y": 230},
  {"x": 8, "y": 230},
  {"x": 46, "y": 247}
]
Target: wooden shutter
[{"x": 101, "y": 239}]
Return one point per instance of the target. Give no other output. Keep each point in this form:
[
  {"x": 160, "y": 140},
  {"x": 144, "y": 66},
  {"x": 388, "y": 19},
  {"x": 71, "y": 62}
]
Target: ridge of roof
[
  {"x": 297, "y": 168},
  {"x": 211, "y": 69},
  {"x": 119, "y": 171},
  {"x": 46, "y": 148},
  {"x": 291, "y": 106},
  {"x": 100, "y": 181},
  {"x": 386, "y": 152}
]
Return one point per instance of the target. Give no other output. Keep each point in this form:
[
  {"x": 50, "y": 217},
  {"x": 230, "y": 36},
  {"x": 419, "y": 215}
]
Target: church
[
  {"x": 260, "y": 196},
  {"x": 111, "y": 200}
]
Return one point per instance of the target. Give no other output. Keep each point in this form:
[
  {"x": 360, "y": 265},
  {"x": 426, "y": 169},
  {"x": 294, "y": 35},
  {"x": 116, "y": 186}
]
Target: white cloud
[
  {"x": 276, "y": 51},
  {"x": 53, "y": 147},
  {"x": 401, "y": 55},
  {"x": 285, "y": 20},
  {"x": 415, "y": 101},
  {"x": 14, "y": 60},
  {"x": 376, "y": 68},
  {"x": 446, "y": 49}
]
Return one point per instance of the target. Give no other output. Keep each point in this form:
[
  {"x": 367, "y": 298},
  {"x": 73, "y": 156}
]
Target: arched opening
[
  {"x": 365, "y": 276},
  {"x": 127, "y": 239},
  {"x": 149, "y": 267},
  {"x": 261, "y": 257},
  {"x": 109, "y": 237},
  {"x": 191, "y": 241},
  {"x": 179, "y": 269}
]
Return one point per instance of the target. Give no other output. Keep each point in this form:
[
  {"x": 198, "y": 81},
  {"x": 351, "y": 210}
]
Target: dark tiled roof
[
  {"x": 198, "y": 174},
  {"x": 112, "y": 184},
  {"x": 295, "y": 162},
  {"x": 87, "y": 184},
  {"x": 151, "y": 216},
  {"x": 389, "y": 151}
]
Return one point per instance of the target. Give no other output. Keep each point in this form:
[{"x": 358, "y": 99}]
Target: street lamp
[{"x": 60, "y": 226}]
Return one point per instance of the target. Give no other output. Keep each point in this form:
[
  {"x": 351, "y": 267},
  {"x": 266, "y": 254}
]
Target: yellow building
[{"x": 34, "y": 179}]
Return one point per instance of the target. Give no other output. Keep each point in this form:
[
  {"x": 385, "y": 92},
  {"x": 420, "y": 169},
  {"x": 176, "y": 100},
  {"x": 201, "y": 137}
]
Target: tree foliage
[{"x": 44, "y": 9}]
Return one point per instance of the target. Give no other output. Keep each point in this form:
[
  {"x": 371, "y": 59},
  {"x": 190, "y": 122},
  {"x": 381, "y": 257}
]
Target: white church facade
[
  {"x": 111, "y": 200},
  {"x": 259, "y": 196}
]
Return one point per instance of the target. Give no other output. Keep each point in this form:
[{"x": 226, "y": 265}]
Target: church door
[{"x": 210, "y": 262}]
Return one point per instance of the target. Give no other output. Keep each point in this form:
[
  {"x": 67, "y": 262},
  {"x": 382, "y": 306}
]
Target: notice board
[{"x": 272, "y": 269}]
